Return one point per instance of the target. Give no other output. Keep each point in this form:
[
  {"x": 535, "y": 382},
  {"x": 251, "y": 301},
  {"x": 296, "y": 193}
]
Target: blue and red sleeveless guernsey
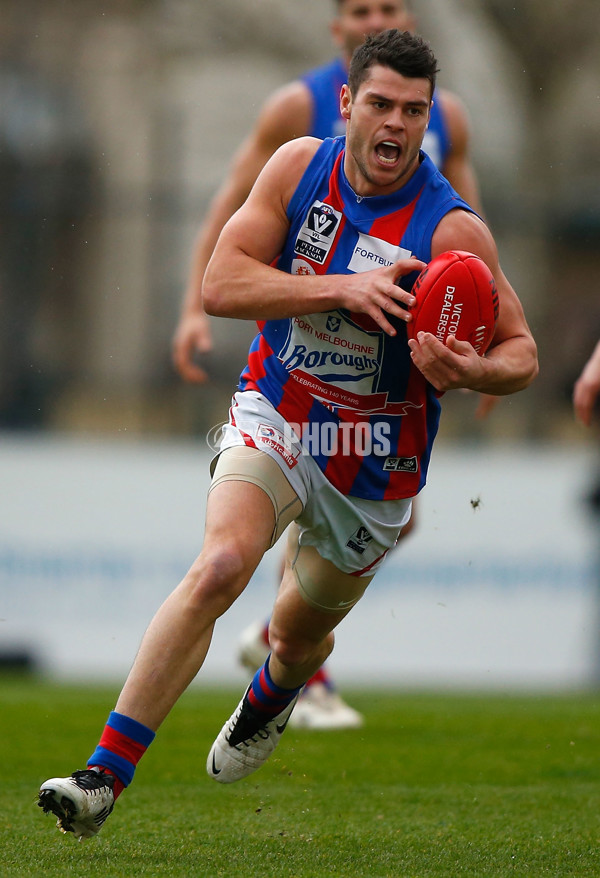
[
  {"x": 336, "y": 372},
  {"x": 325, "y": 83}
]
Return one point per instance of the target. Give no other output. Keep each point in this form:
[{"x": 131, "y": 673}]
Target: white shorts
[{"x": 354, "y": 534}]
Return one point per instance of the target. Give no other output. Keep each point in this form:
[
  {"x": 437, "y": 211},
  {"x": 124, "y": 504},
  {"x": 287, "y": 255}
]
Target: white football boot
[
  {"x": 245, "y": 742},
  {"x": 81, "y": 802}
]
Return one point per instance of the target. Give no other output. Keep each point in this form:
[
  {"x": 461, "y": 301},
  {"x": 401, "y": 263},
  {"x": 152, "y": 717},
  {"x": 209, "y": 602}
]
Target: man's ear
[{"x": 345, "y": 102}]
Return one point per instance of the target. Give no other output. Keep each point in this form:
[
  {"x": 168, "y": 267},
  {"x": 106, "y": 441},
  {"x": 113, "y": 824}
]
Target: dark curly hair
[{"x": 406, "y": 53}]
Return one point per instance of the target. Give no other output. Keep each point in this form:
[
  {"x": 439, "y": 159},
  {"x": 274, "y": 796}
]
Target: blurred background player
[
  {"x": 587, "y": 388},
  {"x": 310, "y": 105},
  {"x": 585, "y": 396}
]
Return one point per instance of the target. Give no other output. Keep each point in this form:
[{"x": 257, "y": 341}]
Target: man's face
[
  {"x": 386, "y": 123},
  {"x": 358, "y": 18}
]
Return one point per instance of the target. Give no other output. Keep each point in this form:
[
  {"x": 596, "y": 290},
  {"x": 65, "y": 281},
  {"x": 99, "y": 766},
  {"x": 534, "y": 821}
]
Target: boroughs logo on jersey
[
  {"x": 338, "y": 362},
  {"x": 318, "y": 232},
  {"x": 332, "y": 350},
  {"x": 371, "y": 252},
  {"x": 323, "y": 361}
]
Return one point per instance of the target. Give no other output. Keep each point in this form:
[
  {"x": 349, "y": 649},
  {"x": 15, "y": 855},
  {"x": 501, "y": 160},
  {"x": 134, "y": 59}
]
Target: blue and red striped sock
[
  {"x": 265, "y": 696},
  {"x": 123, "y": 743}
]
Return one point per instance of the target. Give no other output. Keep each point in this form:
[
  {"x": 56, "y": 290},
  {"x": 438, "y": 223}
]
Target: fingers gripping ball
[{"x": 456, "y": 295}]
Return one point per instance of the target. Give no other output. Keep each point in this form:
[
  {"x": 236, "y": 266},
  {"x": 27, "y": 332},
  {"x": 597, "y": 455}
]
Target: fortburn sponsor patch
[{"x": 371, "y": 252}]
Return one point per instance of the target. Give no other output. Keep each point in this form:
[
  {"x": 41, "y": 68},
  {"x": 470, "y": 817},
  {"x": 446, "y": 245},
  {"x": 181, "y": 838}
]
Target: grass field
[{"x": 435, "y": 784}]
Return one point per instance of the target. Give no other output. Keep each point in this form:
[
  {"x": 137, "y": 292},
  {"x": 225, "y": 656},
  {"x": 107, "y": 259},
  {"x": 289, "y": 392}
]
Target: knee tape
[
  {"x": 322, "y": 585},
  {"x": 245, "y": 464}
]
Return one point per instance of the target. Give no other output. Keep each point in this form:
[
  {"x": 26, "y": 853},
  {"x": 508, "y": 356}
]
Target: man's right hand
[
  {"x": 377, "y": 293},
  {"x": 193, "y": 335}
]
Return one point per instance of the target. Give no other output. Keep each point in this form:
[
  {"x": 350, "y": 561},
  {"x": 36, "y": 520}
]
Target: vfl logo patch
[
  {"x": 400, "y": 465},
  {"x": 318, "y": 232},
  {"x": 359, "y": 540},
  {"x": 333, "y": 323}
]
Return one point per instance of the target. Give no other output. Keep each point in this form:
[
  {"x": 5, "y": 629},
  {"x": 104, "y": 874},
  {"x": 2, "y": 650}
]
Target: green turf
[{"x": 434, "y": 785}]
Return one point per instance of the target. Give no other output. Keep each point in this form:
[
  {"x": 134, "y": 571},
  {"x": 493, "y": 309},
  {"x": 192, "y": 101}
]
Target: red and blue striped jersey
[
  {"x": 325, "y": 83},
  {"x": 366, "y": 414}
]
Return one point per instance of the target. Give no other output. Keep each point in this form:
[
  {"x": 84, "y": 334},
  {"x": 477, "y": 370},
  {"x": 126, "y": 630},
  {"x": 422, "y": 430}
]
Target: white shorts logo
[
  {"x": 274, "y": 438},
  {"x": 359, "y": 540}
]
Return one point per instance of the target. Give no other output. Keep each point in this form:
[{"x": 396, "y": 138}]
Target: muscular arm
[
  {"x": 459, "y": 170},
  {"x": 285, "y": 116},
  {"x": 240, "y": 281},
  {"x": 511, "y": 361}
]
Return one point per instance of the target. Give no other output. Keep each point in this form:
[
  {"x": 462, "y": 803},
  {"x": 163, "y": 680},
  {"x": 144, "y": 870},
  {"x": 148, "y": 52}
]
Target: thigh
[
  {"x": 238, "y": 530},
  {"x": 320, "y": 583},
  {"x": 244, "y": 465}
]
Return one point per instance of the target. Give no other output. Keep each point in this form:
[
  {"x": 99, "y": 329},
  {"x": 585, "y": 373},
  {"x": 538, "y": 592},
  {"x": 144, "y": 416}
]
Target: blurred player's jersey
[
  {"x": 325, "y": 83},
  {"x": 336, "y": 373}
]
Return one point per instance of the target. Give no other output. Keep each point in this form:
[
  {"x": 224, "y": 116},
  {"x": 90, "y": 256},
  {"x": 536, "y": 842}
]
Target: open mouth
[{"x": 388, "y": 152}]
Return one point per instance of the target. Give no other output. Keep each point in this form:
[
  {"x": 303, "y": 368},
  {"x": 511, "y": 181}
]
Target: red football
[{"x": 456, "y": 295}]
